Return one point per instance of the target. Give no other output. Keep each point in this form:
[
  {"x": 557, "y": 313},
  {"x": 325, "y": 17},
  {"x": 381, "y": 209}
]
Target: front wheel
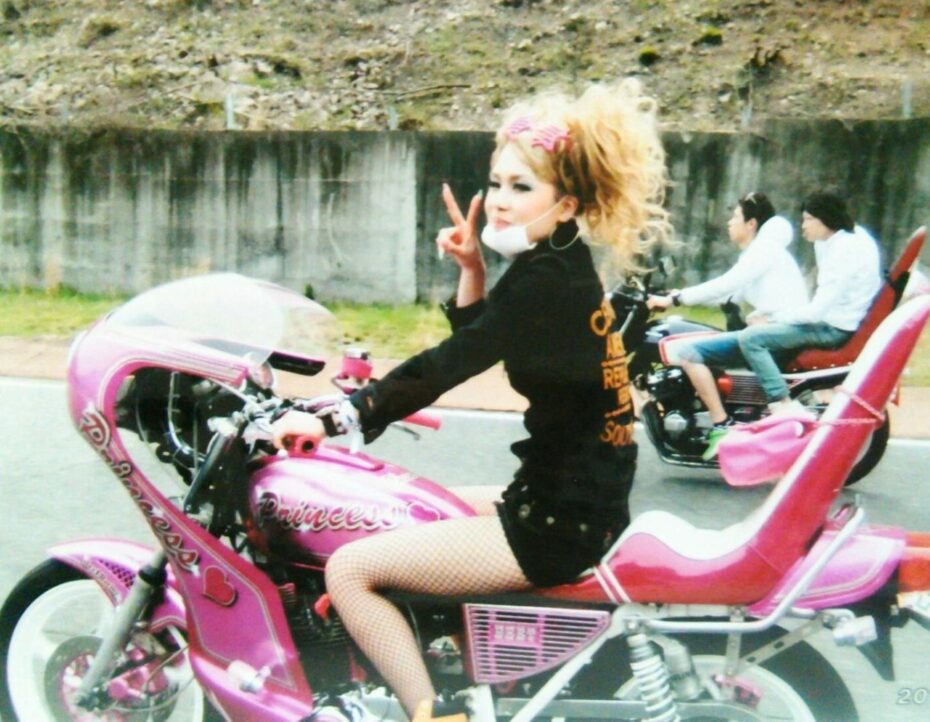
[{"x": 51, "y": 626}]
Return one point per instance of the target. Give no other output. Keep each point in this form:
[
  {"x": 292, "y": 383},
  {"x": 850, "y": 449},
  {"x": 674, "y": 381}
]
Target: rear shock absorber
[{"x": 652, "y": 680}]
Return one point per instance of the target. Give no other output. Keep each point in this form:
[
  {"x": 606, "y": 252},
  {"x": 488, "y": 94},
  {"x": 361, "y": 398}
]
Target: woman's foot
[{"x": 429, "y": 710}]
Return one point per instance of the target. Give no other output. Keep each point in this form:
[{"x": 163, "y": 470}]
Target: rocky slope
[{"x": 431, "y": 64}]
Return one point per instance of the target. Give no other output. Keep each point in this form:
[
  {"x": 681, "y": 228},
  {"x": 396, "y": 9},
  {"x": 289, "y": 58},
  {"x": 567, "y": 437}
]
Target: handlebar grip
[
  {"x": 302, "y": 445},
  {"x": 425, "y": 418}
]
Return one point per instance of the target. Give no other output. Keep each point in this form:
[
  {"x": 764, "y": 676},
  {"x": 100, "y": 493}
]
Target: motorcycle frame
[{"x": 205, "y": 579}]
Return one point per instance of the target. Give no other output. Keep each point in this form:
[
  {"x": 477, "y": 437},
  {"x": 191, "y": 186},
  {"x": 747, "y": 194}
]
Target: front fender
[{"x": 113, "y": 564}]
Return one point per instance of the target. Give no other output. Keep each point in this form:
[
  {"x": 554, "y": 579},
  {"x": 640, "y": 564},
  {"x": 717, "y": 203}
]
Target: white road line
[{"x": 31, "y": 383}]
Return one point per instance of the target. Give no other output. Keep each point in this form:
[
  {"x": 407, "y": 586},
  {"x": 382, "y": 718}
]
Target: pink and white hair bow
[{"x": 548, "y": 137}]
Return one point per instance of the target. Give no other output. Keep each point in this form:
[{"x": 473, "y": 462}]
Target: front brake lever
[{"x": 408, "y": 430}]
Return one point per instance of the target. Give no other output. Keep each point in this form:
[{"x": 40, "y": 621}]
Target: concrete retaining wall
[{"x": 353, "y": 215}]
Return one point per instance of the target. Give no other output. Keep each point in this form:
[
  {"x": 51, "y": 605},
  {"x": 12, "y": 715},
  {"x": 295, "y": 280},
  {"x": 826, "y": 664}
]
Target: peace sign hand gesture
[{"x": 461, "y": 239}]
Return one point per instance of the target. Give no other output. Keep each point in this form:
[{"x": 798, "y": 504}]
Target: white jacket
[
  {"x": 765, "y": 275},
  {"x": 848, "y": 277}
]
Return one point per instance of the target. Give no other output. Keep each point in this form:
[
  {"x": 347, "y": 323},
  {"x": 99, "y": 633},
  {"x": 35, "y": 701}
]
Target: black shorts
[
  {"x": 544, "y": 563},
  {"x": 555, "y": 554}
]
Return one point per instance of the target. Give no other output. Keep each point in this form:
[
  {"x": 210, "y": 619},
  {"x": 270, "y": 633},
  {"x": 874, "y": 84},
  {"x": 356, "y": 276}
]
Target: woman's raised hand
[{"x": 461, "y": 239}]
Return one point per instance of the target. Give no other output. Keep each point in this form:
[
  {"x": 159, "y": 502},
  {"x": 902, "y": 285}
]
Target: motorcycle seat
[
  {"x": 885, "y": 302},
  {"x": 816, "y": 359},
  {"x": 670, "y": 346},
  {"x": 662, "y": 558}
]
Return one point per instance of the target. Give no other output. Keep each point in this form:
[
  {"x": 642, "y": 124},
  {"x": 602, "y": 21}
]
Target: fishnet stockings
[
  {"x": 452, "y": 557},
  {"x": 480, "y": 498}
]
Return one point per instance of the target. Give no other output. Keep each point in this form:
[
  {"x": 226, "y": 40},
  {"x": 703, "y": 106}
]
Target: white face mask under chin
[{"x": 511, "y": 241}]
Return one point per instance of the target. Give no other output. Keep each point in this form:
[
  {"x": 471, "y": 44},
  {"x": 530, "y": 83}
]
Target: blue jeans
[
  {"x": 760, "y": 345},
  {"x": 720, "y": 350}
]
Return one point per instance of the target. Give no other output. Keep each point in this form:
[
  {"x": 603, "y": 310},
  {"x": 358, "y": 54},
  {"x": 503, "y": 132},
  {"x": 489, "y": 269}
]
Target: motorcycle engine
[
  {"x": 675, "y": 425},
  {"x": 671, "y": 388},
  {"x": 322, "y": 640}
]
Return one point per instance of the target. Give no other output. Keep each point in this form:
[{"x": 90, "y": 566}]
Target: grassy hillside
[{"x": 374, "y": 64}]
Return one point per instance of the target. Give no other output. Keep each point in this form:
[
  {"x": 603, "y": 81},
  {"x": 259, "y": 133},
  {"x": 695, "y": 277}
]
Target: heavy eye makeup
[{"x": 517, "y": 185}]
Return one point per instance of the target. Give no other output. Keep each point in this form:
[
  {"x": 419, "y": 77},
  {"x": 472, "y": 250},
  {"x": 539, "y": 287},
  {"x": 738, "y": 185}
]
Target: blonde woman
[{"x": 565, "y": 173}]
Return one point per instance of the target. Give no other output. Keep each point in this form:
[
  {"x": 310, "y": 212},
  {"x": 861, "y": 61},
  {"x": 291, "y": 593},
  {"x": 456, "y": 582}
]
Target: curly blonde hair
[{"x": 614, "y": 164}]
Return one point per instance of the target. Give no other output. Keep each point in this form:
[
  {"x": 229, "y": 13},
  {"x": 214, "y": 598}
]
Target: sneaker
[
  {"x": 715, "y": 436},
  {"x": 786, "y": 406}
]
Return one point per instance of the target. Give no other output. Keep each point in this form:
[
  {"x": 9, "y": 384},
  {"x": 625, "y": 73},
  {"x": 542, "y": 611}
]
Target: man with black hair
[
  {"x": 765, "y": 276},
  {"x": 848, "y": 278}
]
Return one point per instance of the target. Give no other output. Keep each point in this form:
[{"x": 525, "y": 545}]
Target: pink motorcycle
[{"x": 228, "y": 617}]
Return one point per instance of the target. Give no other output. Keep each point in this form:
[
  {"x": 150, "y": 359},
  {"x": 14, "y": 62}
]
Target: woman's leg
[
  {"x": 449, "y": 558},
  {"x": 481, "y": 498}
]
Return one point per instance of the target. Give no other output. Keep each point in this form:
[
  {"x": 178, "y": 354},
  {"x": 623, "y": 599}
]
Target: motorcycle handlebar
[
  {"x": 425, "y": 418},
  {"x": 260, "y": 428}
]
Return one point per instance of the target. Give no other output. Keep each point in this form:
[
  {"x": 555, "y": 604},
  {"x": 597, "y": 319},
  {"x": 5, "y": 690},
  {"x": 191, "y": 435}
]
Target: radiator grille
[
  {"x": 508, "y": 642},
  {"x": 746, "y": 390}
]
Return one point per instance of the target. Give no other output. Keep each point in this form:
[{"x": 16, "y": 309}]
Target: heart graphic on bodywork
[
  {"x": 217, "y": 588},
  {"x": 419, "y": 512}
]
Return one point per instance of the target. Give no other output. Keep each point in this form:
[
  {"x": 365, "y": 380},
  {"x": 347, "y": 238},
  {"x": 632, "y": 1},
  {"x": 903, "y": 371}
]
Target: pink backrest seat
[
  {"x": 663, "y": 558},
  {"x": 884, "y": 303}
]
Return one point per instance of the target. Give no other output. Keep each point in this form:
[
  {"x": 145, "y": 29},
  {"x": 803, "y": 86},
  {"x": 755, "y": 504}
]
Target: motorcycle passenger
[
  {"x": 848, "y": 278},
  {"x": 765, "y": 275},
  {"x": 564, "y": 172}
]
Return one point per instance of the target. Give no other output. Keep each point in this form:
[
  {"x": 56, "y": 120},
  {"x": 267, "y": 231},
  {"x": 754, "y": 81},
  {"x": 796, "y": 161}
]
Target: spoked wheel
[
  {"x": 50, "y": 630},
  {"x": 798, "y": 684}
]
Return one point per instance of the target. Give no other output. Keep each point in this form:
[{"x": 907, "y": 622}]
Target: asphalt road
[{"x": 55, "y": 488}]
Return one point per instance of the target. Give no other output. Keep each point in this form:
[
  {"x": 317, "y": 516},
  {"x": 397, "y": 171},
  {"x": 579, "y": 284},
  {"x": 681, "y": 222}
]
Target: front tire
[
  {"x": 50, "y": 629},
  {"x": 874, "y": 450}
]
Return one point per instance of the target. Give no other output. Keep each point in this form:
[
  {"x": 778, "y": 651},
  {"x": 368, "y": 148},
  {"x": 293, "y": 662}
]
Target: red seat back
[{"x": 885, "y": 302}]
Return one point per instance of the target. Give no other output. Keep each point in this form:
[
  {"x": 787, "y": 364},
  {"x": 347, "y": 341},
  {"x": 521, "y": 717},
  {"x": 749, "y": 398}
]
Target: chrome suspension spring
[{"x": 652, "y": 680}]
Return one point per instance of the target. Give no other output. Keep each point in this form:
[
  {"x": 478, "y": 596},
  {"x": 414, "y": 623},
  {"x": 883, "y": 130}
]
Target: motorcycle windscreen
[{"x": 234, "y": 314}]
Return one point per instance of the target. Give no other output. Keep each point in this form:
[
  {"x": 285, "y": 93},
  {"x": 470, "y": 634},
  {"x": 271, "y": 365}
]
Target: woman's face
[
  {"x": 813, "y": 229},
  {"x": 517, "y": 196}
]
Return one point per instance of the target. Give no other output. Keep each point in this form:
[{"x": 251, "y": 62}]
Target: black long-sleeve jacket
[{"x": 548, "y": 321}]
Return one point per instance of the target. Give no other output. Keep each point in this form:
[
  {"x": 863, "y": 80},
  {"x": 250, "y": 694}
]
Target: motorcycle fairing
[
  {"x": 113, "y": 564},
  {"x": 662, "y": 558},
  {"x": 221, "y": 586},
  {"x": 265, "y": 704}
]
